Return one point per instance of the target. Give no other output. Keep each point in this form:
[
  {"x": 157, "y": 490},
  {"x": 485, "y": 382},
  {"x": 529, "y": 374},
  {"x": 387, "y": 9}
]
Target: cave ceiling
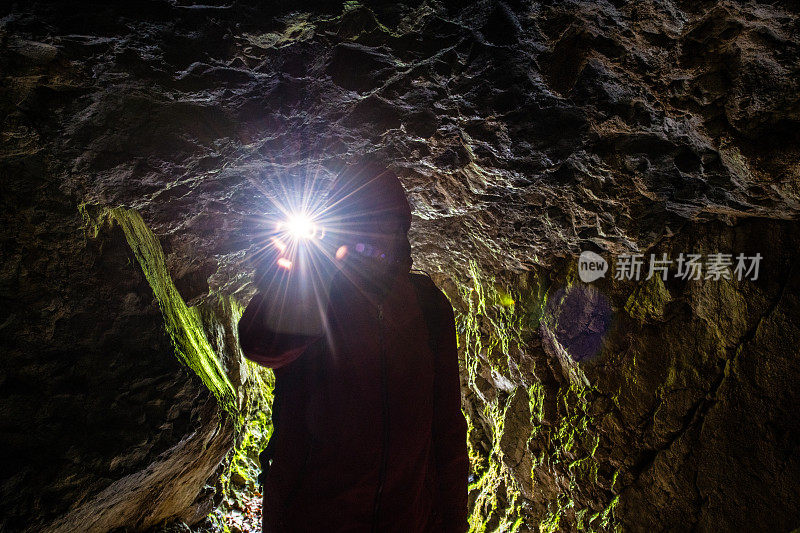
[{"x": 522, "y": 133}]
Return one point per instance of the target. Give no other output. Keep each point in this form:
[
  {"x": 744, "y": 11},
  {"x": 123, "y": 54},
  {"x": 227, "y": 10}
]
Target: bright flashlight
[{"x": 301, "y": 227}]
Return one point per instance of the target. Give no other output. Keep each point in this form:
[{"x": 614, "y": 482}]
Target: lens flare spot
[
  {"x": 575, "y": 322},
  {"x": 341, "y": 252},
  {"x": 285, "y": 263},
  {"x": 279, "y": 244}
]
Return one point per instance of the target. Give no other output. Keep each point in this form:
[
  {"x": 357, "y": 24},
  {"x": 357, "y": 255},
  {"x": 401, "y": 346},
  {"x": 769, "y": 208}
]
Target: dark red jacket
[{"x": 366, "y": 402}]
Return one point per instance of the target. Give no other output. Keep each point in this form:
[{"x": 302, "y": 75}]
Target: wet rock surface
[{"x": 524, "y": 133}]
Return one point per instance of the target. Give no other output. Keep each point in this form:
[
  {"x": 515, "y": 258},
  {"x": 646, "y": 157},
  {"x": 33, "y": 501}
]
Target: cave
[{"x": 606, "y": 191}]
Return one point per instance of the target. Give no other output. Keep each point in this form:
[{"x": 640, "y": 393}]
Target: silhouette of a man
[{"x": 369, "y": 430}]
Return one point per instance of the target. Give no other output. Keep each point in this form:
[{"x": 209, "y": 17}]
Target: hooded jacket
[{"x": 372, "y": 437}]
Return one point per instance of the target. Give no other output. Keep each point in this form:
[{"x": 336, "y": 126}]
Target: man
[{"x": 369, "y": 431}]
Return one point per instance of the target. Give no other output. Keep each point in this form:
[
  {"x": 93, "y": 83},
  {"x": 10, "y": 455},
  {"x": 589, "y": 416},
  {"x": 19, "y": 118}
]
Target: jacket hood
[{"x": 368, "y": 189}]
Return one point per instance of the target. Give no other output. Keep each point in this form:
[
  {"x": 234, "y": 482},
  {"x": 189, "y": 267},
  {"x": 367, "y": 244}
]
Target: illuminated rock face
[{"x": 524, "y": 132}]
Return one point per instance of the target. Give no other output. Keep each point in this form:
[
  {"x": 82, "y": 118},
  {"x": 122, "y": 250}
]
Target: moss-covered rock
[{"x": 586, "y": 442}]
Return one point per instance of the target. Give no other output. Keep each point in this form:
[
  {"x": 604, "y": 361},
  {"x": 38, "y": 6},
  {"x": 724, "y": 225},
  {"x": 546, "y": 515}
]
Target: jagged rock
[{"x": 524, "y": 132}]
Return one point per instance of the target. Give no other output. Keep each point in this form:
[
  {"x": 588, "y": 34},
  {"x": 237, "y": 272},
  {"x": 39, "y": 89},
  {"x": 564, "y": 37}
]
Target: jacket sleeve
[
  {"x": 449, "y": 428},
  {"x": 266, "y": 347}
]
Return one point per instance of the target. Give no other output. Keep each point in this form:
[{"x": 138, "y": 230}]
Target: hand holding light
[
  {"x": 297, "y": 229},
  {"x": 291, "y": 280}
]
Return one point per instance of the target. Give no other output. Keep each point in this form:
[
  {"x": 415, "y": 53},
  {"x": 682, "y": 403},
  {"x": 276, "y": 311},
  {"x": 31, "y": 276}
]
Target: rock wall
[
  {"x": 525, "y": 132},
  {"x": 658, "y": 405},
  {"x": 102, "y": 424}
]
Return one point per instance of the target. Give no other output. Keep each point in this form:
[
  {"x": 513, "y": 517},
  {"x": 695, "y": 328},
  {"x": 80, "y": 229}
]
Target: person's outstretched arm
[
  {"x": 261, "y": 344},
  {"x": 449, "y": 428},
  {"x": 286, "y": 315}
]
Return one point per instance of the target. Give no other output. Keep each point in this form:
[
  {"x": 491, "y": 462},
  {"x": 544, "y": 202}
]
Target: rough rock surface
[
  {"x": 524, "y": 133},
  {"x": 102, "y": 425}
]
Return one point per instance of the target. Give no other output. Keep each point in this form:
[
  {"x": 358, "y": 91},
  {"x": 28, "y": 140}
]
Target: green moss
[
  {"x": 495, "y": 483},
  {"x": 649, "y": 300},
  {"x": 488, "y": 514},
  {"x": 607, "y": 517},
  {"x": 355, "y": 21},
  {"x": 478, "y": 462},
  {"x": 183, "y": 323},
  {"x": 218, "y": 524},
  {"x": 580, "y": 519},
  {"x": 240, "y": 481},
  {"x": 536, "y": 397},
  {"x": 491, "y": 326},
  {"x": 556, "y": 512},
  {"x": 583, "y": 470},
  {"x": 571, "y": 447},
  {"x": 573, "y": 427},
  {"x": 298, "y": 28},
  {"x": 496, "y": 321}
]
